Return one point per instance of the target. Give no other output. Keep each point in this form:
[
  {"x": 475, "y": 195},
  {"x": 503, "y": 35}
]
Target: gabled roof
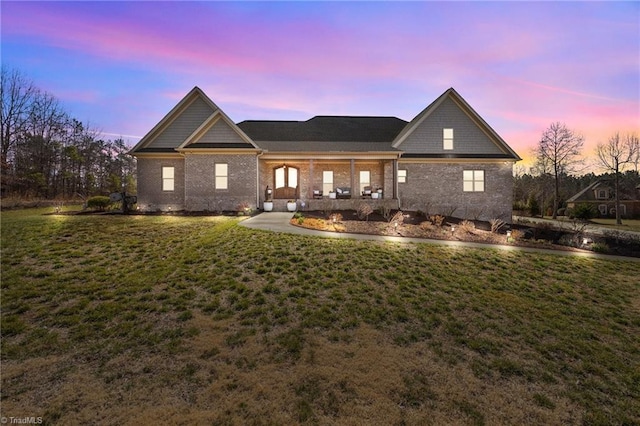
[
  {"x": 324, "y": 128},
  {"x": 192, "y": 141},
  {"x": 175, "y": 112},
  {"x": 196, "y": 123},
  {"x": 580, "y": 194},
  {"x": 466, "y": 108}
]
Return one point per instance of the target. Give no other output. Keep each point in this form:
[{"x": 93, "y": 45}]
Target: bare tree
[
  {"x": 17, "y": 94},
  {"x": 614, "y": 156},
  {"x": 559, "y": 149}
]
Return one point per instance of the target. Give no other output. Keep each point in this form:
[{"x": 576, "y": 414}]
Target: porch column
[
  {"x": 353, "y": 178},
  {"x": 311, "y": 188},
  {"x": 395, "y": 179}
]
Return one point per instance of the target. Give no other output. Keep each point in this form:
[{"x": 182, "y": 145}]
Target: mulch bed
[{"x": 415, "y": 225}]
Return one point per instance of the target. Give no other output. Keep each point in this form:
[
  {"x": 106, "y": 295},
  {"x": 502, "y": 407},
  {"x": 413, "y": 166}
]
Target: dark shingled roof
[{"x": 326, "y": 129}]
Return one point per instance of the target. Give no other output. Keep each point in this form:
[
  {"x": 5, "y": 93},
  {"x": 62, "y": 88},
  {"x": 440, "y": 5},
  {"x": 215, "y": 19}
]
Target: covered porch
[{"x": 328, "y": 183}]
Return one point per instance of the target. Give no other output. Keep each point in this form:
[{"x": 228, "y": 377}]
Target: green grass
[
  {"x": 141, "y": 319},
  {"x": 627, "y": 224}
]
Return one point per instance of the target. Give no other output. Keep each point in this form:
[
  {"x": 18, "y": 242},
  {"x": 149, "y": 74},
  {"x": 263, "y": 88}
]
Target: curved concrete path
[{"x": 280, "y": 222}]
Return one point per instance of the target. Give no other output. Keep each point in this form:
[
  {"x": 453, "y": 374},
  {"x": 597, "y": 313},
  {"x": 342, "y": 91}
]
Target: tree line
[
  {"x": 559, "y": 159},
  {"x": 46, "y": 153}
]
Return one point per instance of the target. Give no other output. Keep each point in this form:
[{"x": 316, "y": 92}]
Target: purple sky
[{"x": 121, "y": 66}]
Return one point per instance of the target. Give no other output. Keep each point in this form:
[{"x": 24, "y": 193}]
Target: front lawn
[
  {"x": 175, "y": 320},
  {"x": 627, "y": 224}
]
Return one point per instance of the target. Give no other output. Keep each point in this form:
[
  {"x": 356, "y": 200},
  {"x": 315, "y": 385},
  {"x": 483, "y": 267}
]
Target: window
[
  {"x": 327, "y": 181},
  {"x": 447, "y": 139},
  {"x": 365, "y": 179},
  {"x": 168, "y": 178},
  {"x": 222, "y": 176},
  {"x": 601, "y": 194},
  {"x": 623, "y": 210},
  {"x": 602, "y": 208},
  {"x": 402, "y": 176},
  {"x": 473, "y": 180}
]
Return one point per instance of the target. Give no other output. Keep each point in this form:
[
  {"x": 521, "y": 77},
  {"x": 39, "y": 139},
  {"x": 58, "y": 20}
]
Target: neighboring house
[
  {"x": 447, "y": 160},
  {"x": 601, "y": 195}
]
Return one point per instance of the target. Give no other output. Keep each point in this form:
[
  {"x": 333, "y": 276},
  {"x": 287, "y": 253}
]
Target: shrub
[
  {"x": 467, "y": 226},
  {"x": 397, "y": 218},
  {"x": 583, "y": 212},
  {"x": 385, "y": 211},
  {"x": 426, "y": 225},
  {"x": 335, "y": 217},
  {"x": 520, "y": 206},
  {"x": 517, "y": 234},
  {"x": 496, "y": 225},
  {"x": 534, "y": 207},
  {"x": 562, "y": 211},
  {"x": 600, "y": 248},
  {"x": 364, "y": 210},
  {"x": 99, "y": 202},
  {"x": 436, "y": 219},
  {"x": 244, "y": 208}
]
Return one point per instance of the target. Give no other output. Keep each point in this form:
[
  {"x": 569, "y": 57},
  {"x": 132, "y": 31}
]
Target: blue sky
[{"x": 120, "y": 66}]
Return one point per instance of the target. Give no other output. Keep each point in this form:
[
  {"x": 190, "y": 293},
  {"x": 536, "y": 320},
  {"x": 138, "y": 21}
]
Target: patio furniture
[
  {"x": 343, "y": 192},
  {"x": 317, "y": 193},
  {"x": 366, "y": 191}
]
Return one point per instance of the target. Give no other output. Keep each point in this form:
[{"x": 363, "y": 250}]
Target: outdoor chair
[
  {"x": 343, "y": 192},
  {"x": 366, "y": 192}
]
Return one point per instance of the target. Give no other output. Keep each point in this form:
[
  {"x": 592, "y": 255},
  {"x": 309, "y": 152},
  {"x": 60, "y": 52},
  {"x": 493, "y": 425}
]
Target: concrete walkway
[{"x": 279, "y": 222}]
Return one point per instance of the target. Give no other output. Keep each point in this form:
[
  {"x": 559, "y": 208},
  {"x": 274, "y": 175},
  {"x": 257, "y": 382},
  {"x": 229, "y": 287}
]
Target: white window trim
[
  {"x": 168, "y": 178},
  {"x": 447, "y": 139},
  {"x": 221, "y": 176},
  {"x": 475, "y": 183},
  {"x": 402, "y": 175},
  {"x": 327, "y": 181},
  {"x": 366, "y": 181}
]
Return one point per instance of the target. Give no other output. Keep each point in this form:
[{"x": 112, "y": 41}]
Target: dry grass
[{"x": 174, "y": 320}]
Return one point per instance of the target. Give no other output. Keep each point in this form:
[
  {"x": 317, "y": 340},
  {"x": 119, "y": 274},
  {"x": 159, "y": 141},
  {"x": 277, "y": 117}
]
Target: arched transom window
[{"x": 286, "y": 182}]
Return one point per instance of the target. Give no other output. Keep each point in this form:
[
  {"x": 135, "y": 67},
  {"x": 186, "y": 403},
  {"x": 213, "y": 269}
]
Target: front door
[{"x": 286, "y": 182}]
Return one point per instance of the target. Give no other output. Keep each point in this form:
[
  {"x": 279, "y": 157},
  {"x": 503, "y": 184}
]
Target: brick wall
[
  {"x": 437, "y": 188},
  {"x": 151, "y": 197},
  {"x": 200, "y": 191}
]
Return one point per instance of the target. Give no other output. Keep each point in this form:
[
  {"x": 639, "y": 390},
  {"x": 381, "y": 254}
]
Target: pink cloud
[{"x": 520, "y": 70}]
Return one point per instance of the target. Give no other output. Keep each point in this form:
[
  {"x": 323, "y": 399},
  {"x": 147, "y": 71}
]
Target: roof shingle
[{"x": 326, "y": 129}]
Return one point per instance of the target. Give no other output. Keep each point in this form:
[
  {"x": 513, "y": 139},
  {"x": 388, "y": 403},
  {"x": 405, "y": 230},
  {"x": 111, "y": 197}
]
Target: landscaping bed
[{"x": 418, "y": 225}]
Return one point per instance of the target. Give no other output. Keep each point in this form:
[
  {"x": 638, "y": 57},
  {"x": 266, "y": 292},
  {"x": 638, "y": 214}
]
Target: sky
[{"x": 120, "y": 66}]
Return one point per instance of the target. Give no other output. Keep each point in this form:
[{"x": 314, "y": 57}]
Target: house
[
  {"x": 446, "y": 160},
  {"x": 601, "y": 195}
]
